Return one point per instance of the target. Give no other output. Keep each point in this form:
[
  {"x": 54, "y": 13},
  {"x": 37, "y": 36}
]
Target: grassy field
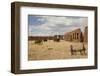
[{"x": 51, "y": 50}]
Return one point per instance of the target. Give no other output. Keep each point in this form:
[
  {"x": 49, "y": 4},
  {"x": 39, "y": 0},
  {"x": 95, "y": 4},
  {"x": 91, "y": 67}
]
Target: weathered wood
[{"x": 74, "y": 51}]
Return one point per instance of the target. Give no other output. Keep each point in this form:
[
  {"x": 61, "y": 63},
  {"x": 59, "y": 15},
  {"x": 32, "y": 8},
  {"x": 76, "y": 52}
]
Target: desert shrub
[
  {"x": 38, "y": 42},
  {"x": 45, "y": 40},
  {"x": 50, "y": 48},
  {"x": 57, "y": 40}
]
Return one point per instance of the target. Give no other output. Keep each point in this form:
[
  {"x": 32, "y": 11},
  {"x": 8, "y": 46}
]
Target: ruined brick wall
[
  {"x": 86, "y": 34},
  {"x": 68, "y": 36},
  {"x": 75, "y": 35}
]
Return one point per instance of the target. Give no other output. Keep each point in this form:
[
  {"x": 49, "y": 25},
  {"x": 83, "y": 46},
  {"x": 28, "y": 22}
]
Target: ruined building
[
  {"x": 86, "y": 34},
  {"x": 77, "y": 35}
]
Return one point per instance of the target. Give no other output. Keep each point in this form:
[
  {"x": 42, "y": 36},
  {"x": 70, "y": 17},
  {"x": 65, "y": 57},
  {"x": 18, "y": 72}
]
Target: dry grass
[{"x": 51, "y": 50}]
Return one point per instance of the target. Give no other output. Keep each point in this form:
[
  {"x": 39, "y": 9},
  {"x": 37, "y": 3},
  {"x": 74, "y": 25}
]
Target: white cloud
[{"x": 57, "y": 25}]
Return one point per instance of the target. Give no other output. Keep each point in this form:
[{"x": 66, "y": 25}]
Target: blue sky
[
  {"x": 54, "y": 25},
  {"x": 34, "y": 20}
]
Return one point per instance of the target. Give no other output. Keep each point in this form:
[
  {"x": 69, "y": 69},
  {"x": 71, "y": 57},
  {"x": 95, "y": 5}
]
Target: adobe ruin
[
  {"x": 77, "y": 35},
  {"x": 86, "y": 34}
]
